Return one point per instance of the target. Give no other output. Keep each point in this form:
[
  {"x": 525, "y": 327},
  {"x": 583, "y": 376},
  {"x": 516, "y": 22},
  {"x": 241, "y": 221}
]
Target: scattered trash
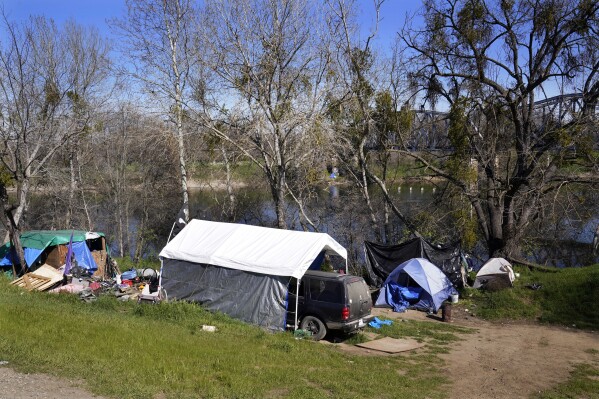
[
  {"x": 301, "y": 334},
  {"x": 87, "y": 295},
  {"x": 3, "y": 362},
  {"x": 141, "y": 285},
  {"x": 209, "y": 328},
  {"x": 534, "y": 286},
  {"x": 129, "y": 275}
]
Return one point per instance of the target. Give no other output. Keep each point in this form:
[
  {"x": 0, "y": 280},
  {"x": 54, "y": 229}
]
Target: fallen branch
[{"x": 533, "y": 266}]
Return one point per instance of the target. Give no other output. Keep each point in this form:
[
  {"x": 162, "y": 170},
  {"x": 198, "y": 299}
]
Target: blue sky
[
  {"x": 85, "y": 12},
  {"x": 96, "y": 12}
]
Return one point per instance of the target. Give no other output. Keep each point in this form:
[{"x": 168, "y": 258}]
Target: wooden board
[
  {"x": 42, "y": 279},
  {"x": 391, "y": 345}
]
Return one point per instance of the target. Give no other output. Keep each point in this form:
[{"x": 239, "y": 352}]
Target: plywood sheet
[
  {"x": 57, "y": 256},
  {"x": 391, "y": 345},
  {"x": 100, "y": 259}
]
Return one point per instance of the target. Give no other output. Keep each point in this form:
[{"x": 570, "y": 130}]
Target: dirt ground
[
  {"x": 14, "y": 385},
  {"x": 500, "y": 360},
  {"x": 509, "y": 360}
]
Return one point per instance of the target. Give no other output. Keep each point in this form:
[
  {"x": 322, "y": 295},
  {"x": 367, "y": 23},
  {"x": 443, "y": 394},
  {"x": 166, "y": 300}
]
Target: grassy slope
[
  {"x": 136, "y": 351},
  {"x": 567, "y": 297},
  {"x": 132, "y": 351}
]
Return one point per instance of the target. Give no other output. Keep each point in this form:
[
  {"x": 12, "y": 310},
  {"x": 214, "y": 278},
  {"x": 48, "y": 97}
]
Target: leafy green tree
[{"x": 490, "y": 63}]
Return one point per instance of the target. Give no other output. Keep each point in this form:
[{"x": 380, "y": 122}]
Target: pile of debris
[
  {"x": 77, "y": 262},
  {"x": 134, "y": 284}
]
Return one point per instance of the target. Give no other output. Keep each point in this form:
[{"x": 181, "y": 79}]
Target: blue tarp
[
  {"x": 378, "y": 323},
  {"x": 31, "y": 255},
  {"x": 399, "y": 297},
  {"x": 435, "y": 285},
  {"x": 82, "y": 253},
  {"x": 84, "y": 256}
]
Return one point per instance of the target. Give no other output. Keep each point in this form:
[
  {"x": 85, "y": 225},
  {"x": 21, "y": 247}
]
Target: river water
[{"x": 336, "y": 209}]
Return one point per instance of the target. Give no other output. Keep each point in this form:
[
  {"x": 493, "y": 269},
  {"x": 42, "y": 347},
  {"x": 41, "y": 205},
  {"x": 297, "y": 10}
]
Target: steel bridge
[{"x": 430, "y": 127}]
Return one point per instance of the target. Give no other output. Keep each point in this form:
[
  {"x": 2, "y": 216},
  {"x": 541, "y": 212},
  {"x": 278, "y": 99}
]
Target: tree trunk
[
  {"x": 230, "y": 212},
  {"x": 182, "y": 166},
  {"x": 279, "y": 198},
  {"x": 72, "y": 189},
  {"x": 13, "y": 230}
]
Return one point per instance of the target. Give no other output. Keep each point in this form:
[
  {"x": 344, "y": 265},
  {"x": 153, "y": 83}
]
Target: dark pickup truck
[{"x": 330, "y": 301}]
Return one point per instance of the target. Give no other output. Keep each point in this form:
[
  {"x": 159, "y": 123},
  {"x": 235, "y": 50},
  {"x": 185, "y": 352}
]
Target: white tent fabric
[
  {"x": 497, "y": 266},
  {"x": 495, "y": 269},
  {"x": 250, "y": 248}
]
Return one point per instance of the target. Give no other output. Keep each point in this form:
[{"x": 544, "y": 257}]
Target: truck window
[{"x": 326, "y": 291}]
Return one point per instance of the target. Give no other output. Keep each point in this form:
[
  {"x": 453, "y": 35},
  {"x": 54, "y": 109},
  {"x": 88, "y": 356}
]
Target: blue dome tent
[{"x": 417, "y": 283}]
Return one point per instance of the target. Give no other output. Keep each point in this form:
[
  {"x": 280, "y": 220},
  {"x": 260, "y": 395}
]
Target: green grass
[
  {"x": 126, "y": 350},
  {"x": 583, "y": 383},
  {"x": 126, "y": 263},
  {"x": 567, "y": 297}
]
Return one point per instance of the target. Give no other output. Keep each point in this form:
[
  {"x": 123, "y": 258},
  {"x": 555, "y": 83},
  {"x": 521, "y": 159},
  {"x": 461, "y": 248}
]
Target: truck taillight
[{"x": 345, "y": 313}]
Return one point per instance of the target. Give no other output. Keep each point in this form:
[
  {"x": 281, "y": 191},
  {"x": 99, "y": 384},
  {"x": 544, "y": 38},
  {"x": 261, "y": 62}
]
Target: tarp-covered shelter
[
  {"x": 495, "y": 275},
  {"x": 241, "y": 270},
  {"x": 51, "y": 246},
  {"x": 434, "y": 286},
  {"x": 382, "y": 259}
]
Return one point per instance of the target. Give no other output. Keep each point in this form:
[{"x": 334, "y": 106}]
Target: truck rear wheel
[{"x": 315, "y": 326}]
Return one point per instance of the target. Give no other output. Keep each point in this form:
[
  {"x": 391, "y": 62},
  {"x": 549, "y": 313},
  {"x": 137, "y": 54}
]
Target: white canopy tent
[{"x": 239, "y": 269}]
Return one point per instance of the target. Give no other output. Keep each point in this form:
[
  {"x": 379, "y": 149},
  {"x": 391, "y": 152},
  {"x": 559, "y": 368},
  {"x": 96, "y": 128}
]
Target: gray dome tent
[{"x": 495, "y": 275}]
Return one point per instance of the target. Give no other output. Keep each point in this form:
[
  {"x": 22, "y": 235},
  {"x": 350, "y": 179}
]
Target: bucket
[{"x": 454, "y": 298}]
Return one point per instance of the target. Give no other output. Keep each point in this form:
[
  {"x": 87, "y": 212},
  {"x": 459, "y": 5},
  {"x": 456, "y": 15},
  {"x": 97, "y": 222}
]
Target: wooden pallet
[{"x": 42, "y": 279}]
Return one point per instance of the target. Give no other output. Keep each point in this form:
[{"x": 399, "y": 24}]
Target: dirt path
[
  {"x": 14, "y": 385},
  {"x": 510, "y": 360}
]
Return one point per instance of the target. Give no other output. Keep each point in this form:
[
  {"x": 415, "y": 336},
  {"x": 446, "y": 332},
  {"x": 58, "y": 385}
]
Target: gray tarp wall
[{"x": 254, "y": 298}]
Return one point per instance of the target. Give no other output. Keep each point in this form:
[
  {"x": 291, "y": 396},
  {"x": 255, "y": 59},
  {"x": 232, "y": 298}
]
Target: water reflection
[
  {"x": 337, "y": 209},
  {"x": 333, "y": 191}
]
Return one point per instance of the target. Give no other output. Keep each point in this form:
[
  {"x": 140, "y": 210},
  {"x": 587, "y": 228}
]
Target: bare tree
[
  {"x": 158, "y": 35},
  {"x": 134, "y": 168},
  {"x": 490, "y": 62},
  {"x": 267, "y": 65},
  {"x": 42, "y": 75},
  {"x": 364, "y": 110}
]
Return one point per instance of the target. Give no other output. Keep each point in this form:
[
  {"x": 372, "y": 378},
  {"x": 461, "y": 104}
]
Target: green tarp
[{"x": 42, "y": 239}]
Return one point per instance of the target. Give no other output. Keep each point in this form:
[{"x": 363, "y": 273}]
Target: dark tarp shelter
[{"x": 382, "y": 259}]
